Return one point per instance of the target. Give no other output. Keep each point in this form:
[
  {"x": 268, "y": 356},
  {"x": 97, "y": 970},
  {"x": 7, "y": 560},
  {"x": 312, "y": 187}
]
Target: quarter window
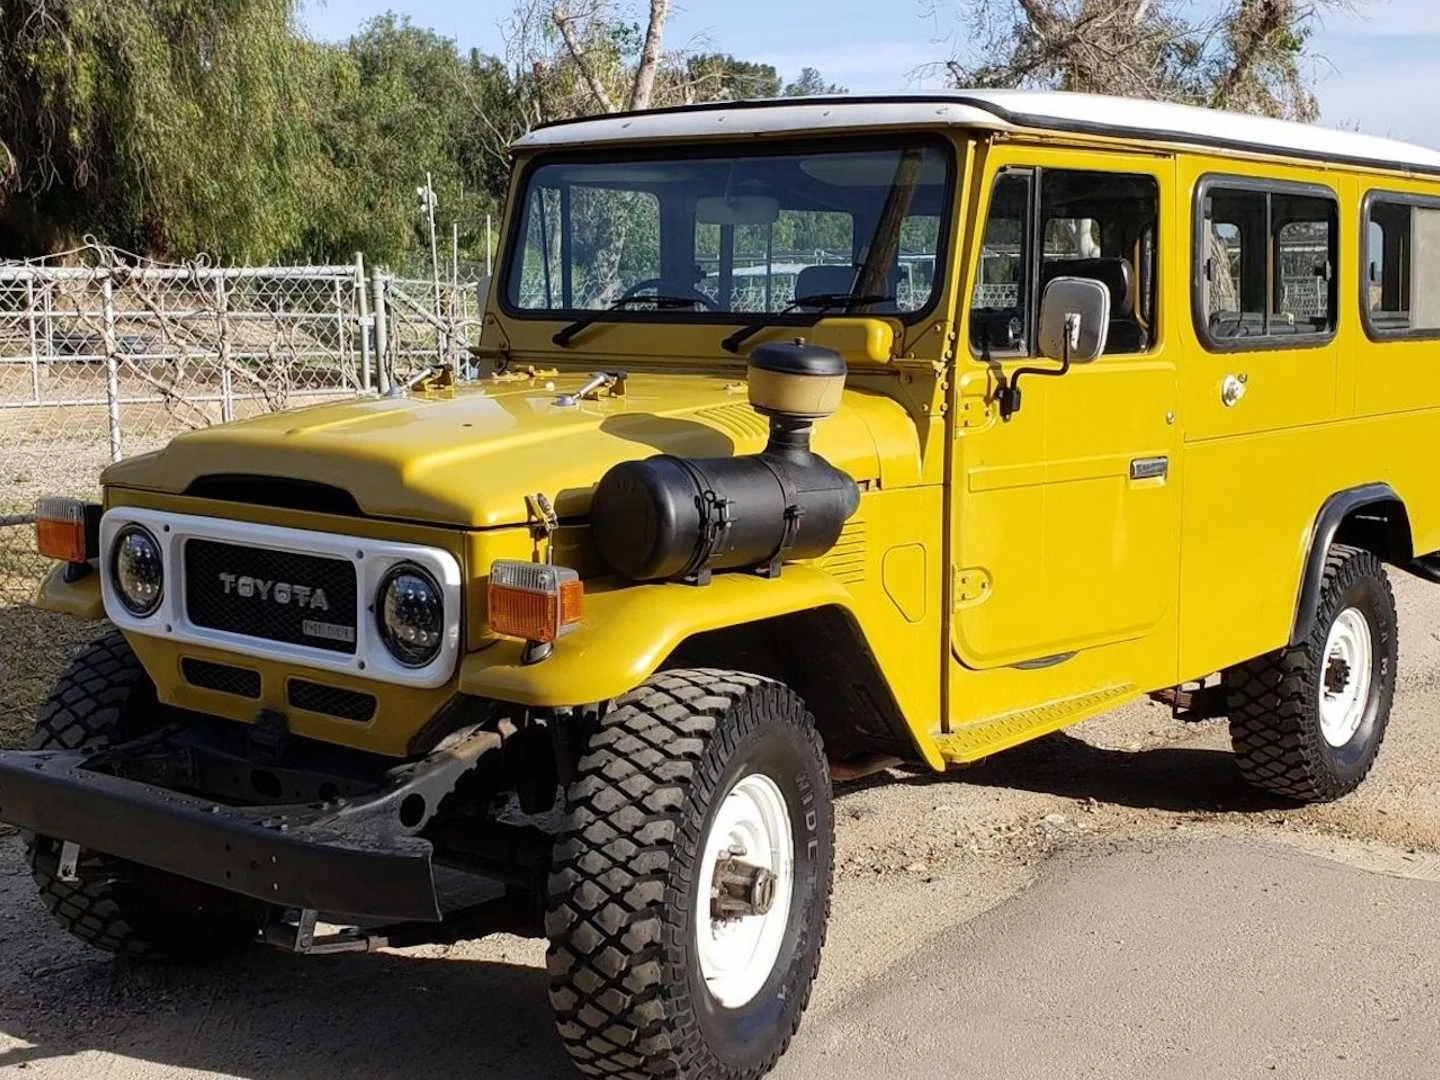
[
  {"x": 1266, "y": 264},
  {"x": 1090, "y": 225},
  {"x": 1402, "y": 267}
]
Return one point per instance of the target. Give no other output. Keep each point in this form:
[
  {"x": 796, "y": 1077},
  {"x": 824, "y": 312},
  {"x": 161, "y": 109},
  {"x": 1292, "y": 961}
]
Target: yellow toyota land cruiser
[{"x": 804, "y": 438}]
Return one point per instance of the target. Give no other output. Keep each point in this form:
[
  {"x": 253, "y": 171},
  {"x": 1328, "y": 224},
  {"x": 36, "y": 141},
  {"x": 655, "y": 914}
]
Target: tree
[
  {"x": 395, "y": 102},
  {"x": 1248, "y": 55},
  {"x": 180, "y": 126}
]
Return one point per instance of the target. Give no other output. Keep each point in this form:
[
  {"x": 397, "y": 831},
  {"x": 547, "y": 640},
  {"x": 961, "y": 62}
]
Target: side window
[
  {"x": 1402, "y": 267},
  {"x": 1000, "y": 306},
  {"x": 1094, "y": 225},
  {"x": 1267, "y": 263}
]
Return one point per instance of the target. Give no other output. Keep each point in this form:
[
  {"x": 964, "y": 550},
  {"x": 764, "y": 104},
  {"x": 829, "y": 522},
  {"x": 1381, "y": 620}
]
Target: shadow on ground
[
  {"x": 268, "y": 1016},
  {"x": 1177, "y": 779}
]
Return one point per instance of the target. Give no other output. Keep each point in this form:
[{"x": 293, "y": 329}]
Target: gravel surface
[{"x": 1015, "y": 859}]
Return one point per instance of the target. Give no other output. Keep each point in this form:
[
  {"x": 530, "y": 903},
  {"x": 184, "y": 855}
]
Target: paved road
[
  {"x": 1221, "y": 958},
  {"x": 1112, "y": 903}
]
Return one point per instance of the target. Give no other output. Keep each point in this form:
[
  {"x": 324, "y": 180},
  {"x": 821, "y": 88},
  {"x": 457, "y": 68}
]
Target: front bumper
[{"x": 359, "y": 857}]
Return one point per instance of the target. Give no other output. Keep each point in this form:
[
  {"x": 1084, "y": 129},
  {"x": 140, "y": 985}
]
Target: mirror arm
[{"x": 1007, "y": 397}]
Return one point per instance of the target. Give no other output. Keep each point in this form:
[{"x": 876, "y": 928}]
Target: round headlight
[
  {"x": 138, "y": 570},
  {"x": 411, "y": 612}
]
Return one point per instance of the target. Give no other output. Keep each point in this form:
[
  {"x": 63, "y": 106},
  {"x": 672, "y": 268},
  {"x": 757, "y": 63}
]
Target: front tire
[
  {"x": 105, "y": 697},
  {"x": 690, "y": 890},
  {"x": 1307, "y": 722}
]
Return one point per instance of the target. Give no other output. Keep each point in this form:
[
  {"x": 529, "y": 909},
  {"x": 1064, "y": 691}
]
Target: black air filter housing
[{"x": 678, "y": 519}]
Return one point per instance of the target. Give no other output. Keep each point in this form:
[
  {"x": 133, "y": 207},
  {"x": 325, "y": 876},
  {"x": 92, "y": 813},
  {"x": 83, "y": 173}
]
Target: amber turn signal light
[
  {"x": 534, "y": 601},
  {"x": 67, "y": 529}
]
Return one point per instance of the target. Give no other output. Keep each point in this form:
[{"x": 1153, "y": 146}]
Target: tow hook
[{"x": 740, "y": 888}]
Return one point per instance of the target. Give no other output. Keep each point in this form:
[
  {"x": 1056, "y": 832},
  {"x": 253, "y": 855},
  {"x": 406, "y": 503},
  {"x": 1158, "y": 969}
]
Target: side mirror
[
  {"x": 1074, "y": 327},
  {"x": 1074, "y": 320}
]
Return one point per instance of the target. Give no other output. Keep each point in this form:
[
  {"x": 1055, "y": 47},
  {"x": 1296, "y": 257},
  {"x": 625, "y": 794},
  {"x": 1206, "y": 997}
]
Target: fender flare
[
  {"x": 1327, "y": 523},
  {"x": 628, "y": 632}
]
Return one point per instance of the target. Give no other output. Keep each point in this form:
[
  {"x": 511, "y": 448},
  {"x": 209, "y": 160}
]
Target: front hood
[{"x": 470, "y": 456}]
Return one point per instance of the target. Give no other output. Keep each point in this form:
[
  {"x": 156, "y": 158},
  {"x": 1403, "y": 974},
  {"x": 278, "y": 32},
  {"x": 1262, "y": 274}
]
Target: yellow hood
[{"x": 469, "y": 456}]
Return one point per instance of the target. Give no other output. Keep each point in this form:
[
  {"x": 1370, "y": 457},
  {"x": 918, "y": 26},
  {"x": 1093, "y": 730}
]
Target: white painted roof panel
[{"x": 991, "y": 110}]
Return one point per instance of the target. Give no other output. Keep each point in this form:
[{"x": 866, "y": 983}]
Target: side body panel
[{"x": 1065, "y": 564}]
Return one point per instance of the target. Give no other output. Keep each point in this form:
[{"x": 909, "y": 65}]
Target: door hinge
[
  {"x": 971, "y": 585},
  {"x": 972, "y": 412}
]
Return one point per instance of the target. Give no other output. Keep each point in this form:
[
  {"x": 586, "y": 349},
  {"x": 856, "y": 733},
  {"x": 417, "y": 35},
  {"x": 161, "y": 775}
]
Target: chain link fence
[{"x": 105, "y": 356}]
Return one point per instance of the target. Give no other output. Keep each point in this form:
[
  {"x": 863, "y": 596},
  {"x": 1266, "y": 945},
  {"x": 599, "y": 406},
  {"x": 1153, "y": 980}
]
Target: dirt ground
[{"x": 923, "y": 861}]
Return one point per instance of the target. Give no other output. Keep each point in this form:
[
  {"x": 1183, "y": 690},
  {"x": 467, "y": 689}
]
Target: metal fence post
[
  {"x": 367, "y": 324},
  {"x": 34, "y": 340},
  {"x": 222, "y": 314},
  {"x": 112, "y": 367},
  {"x": 377, "y": 280}
]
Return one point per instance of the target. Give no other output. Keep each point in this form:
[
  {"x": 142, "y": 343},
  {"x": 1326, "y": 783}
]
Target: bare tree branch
[
  {"x": 577, "y": 52},
  {"x": 649, "y": 55}
]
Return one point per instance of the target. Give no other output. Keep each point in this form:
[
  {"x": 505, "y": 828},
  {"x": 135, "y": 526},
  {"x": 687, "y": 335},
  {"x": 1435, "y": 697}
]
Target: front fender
[
  {"x": 629, "y": 630},
  {"x": 79, "y": 598}
]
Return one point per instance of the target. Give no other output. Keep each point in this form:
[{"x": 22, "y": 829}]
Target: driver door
[{"x": 1065, "y": 518}]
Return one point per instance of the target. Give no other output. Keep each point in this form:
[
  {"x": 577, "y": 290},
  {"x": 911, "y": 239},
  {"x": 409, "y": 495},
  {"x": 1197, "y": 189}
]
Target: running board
[
  {"x": 1426, "y": 567},
  {"x": 985, "y": 737}
]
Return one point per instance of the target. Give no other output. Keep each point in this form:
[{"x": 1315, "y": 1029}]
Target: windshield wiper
[
  {"x": 660, "y": 300},
  {"x": 821, "y": 302}
]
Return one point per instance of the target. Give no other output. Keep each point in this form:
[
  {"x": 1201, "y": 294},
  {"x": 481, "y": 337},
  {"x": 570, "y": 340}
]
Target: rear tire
[
  {"x": 103, "y": 697},
  {"x": 646, "y": 979},
  {"x": 1307, "y": 722}
]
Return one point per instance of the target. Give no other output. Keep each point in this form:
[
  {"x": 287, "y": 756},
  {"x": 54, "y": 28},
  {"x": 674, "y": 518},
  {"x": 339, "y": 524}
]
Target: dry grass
[{"x": 34, "y": 648}]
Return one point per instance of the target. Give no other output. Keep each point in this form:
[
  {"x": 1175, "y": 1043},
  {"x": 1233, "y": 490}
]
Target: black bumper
[{"x": 320, "y": 858}]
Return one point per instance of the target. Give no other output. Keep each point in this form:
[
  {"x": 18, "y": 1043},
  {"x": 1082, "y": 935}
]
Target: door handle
[{"x": 1232, "y": 389}]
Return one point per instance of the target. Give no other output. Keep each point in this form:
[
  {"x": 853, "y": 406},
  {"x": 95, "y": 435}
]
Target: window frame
[
  {"x": 513, "y": 232},
  {"x": 1035, "y": 226},
  {"x": 1200, "y": 318},
  {"x": 1372, "y": 196}
]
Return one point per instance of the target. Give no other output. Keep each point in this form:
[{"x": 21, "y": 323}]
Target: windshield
[{"x": 714, "y": 232}]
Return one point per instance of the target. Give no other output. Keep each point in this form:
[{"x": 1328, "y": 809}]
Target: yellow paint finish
[
  {"x": 903, "y": 571},
  {"x": 629, "y": 630},
  {"x": 400, "y": 711},
  {"x": 468, "y": 458},
  {"x": 79, "y": 599},
  {"x": 1078, "y": 555},
  {"x": 994, "y": 734}
]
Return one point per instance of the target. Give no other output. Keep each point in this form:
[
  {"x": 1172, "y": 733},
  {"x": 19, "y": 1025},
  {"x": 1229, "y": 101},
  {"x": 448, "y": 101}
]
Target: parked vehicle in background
[{"x": 810, "y": 437}]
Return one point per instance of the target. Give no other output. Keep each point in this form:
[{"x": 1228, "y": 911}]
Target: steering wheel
[{"x": 662, "y": 287}]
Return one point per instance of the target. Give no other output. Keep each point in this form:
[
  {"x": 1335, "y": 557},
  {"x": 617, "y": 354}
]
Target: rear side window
[
  {"x": 1402, "y": 267},
  {"x": 1266, "y": 265}
]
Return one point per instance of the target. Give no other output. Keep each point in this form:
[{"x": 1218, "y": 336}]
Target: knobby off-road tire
[
  {"x": 626, "y": 915},
  {"x": 1278, "y": 703},
  {"x": 103, "y": 697}
]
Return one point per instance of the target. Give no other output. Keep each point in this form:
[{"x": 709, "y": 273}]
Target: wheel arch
[
  {"x": 1372, "y": 517},
  {"x": 800, "y": 627},
  {"x": 821, "y": 654}
]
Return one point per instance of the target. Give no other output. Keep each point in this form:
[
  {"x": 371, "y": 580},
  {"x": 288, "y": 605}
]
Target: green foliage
[
  {"x": 166, "y": 126},
  {"x": 171, "y": 127}
]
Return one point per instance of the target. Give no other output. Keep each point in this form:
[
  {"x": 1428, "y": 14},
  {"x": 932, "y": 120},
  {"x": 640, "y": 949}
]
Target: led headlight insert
[
  {"x": 138, "y": 570},
  {"x": 410, "y": 609}
]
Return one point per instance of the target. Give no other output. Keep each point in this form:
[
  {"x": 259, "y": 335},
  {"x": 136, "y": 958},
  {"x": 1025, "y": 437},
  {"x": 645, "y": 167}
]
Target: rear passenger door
[
  {"x": 1258, "y": 383},
  {"x": 1265, "y": 275}
]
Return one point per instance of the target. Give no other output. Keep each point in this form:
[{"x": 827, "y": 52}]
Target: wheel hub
[
  {"x": 740, "y": 889},
  {"x": 1346, "y": 679},
  {"x": 743, "y": 898}
]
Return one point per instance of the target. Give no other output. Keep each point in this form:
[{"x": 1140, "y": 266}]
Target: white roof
[{"x": 992, "y": 110}]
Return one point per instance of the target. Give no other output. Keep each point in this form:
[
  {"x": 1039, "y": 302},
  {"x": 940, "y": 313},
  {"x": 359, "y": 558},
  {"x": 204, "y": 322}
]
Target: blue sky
[{"x": 1378, "y": 70}]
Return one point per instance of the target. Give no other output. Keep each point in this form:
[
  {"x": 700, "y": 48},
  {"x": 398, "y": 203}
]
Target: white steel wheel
[
  {"x": 746, "y": 885},
  {"x": 1346, "y": 677}
]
